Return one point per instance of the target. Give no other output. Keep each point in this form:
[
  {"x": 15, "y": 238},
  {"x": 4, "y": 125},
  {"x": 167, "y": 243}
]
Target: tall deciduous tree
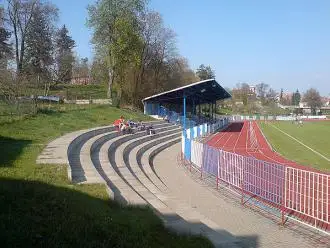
[
  {"x": 205, "y": 72},
  {"x": 39, "y": 39},
  {"x": 313, "y": 99},
  {"x": 271, "y": 95},
  {"x": 20, "y": 14},
  {"x": 115, "y": 23},
  {"x": 81, "y": 70},
  {"x": 39, "y": 55},
  {"x": 137, "y": 49},
  {"x": 64, "y": 55},
  {"x": 5, "y": 46},
  {"x": 262, "y": 90},
  {"x": 99, "y": 71},
  {"x": 157, "y": 50}
]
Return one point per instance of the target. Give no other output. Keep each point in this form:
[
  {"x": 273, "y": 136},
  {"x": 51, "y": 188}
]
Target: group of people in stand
[{"x": 127, "y": 127}]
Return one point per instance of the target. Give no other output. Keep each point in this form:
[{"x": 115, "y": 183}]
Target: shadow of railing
[{"x": 219, "y": 237}]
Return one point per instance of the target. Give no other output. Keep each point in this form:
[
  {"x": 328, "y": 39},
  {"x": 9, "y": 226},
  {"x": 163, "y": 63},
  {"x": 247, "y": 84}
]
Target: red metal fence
[{"x": 300, "y": 194}]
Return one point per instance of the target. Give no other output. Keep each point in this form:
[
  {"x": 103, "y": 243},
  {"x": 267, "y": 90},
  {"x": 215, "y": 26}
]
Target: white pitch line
[{"x": 316, "y": 152}]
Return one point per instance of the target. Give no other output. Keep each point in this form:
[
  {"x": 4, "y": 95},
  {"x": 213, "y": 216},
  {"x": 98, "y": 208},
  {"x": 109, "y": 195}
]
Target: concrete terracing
[{"x": 142, "y": 170}]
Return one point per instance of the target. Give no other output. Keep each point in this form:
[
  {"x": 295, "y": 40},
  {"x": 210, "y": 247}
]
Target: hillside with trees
[
  {"x": 136, "y": 50},
  {"x": 135, "y": 53}
]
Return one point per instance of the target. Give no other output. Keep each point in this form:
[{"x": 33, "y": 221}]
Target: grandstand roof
[{"x": 202, "y": 92}]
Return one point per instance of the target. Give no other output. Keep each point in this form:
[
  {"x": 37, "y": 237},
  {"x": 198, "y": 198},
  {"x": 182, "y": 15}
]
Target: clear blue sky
[{"x": 284, "y": 43}]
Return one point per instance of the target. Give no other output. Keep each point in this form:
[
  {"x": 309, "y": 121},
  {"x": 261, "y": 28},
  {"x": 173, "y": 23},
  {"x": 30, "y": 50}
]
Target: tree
[
  {"x": 5, "y": 46},
  {"x": 296, "y": 97},
  {"x": 281, "y": 95},
  {"x": 137, "y": 50},
  {"x": 20, "y": 14},
  {"x": 81, "y": 70},
  {"x": 242, "y": 93},
  {"x": 64, "y": 55},
  {"x": 39, "y": 54},
  {"x": 115, "y": 25},
  {"x": 262, "y": 89},
  {"x": 39, "y": 44},
  {"x": 271, "y": 95},
  {"x": 99, "y": 71},
  {"x": 205, "y": 72},
  {"x": 313, "y": 99}
]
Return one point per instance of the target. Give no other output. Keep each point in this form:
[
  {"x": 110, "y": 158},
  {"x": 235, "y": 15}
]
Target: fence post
[
  {"x": 218, "y": 169},
  {"x": 242, "y": 179},
  {"x": 284, "y": 197},
  {"x": 202, "y": 165}
]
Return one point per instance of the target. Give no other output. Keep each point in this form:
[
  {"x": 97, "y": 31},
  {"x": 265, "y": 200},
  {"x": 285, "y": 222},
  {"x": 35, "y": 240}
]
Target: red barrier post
[
  {"x": 242, "y": 183},
  {"x": 218, "y": 172},
  {"x": 202, "y": 162},
  {"x": 283, "y": 199}
]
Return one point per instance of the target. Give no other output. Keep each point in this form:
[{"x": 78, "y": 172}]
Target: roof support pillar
[
  {"x": 210, "y": 111},
  {"x": 184, "y": 112},
  {"x": 193, "y": 107}
]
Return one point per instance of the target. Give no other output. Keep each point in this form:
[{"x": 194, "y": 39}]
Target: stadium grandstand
[
  {"x": 185, "y": 105},
  {"x": 239, "y": 157}
]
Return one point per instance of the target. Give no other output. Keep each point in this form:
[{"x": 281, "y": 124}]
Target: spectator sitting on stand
[
  {"x": 125, "y": 128},
  {"x": 140, "y": 126},
  {"x": 150, "y": 130},
  {"x": 131, "y": 123}
]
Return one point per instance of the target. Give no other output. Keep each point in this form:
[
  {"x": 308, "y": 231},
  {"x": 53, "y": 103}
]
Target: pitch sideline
[{"x": 316, "y": 152}]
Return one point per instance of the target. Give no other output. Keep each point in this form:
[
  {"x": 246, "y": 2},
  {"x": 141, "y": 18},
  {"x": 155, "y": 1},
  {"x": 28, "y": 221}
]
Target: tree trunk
[
  {"x": 110, "y": 73},
  {"x": 16, "y": 48}
]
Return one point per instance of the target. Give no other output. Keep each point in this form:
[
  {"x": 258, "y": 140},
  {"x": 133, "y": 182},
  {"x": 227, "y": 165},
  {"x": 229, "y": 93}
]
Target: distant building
[
  {"x": 81, "y": 80},
  {"x": 253, "y": 89},
  {"x": 303, "y": 105},
  {"x": 286, "y": 98},
  {"x": 325, "y": 101}
]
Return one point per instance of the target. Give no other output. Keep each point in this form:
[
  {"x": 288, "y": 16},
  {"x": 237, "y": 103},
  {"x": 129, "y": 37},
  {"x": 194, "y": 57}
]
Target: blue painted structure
[{"x": 172, "y": 102}]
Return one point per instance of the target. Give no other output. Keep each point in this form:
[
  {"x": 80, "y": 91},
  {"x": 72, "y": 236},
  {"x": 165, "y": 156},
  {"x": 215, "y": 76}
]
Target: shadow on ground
[
  {"x": 11, "y": 149},
  {"x": 35, "y": 214},
  {"x": 235, "y": 127},
  {"x": 222, "y": 238}
]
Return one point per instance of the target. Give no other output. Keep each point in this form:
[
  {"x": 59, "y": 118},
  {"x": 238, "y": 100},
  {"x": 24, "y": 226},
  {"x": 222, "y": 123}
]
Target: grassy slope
[
  {"x": 97, "y": 91},
  {"x": 313, "y": 134},
  {"x": 39, "y": 207}
]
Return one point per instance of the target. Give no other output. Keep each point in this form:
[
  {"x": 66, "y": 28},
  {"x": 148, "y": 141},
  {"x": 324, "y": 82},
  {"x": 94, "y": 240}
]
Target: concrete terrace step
[
  {"x": 178, "y": 215},
  {"x": 79, "y": 151},
  {"x": 141, "y": 156},
  {"x": 107, "y": 165},
  {"x": 164, "y": 204},
  {"x": 125, "y": 163},
  {"x": 101, "y": 161},
  {"x": 56, "y": 152},
  {"x": 85, "y": 164},
  {"x": 132, "y": 173}
]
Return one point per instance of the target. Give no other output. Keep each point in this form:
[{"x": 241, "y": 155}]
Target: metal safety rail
[{"x": 298, "y": 194}]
